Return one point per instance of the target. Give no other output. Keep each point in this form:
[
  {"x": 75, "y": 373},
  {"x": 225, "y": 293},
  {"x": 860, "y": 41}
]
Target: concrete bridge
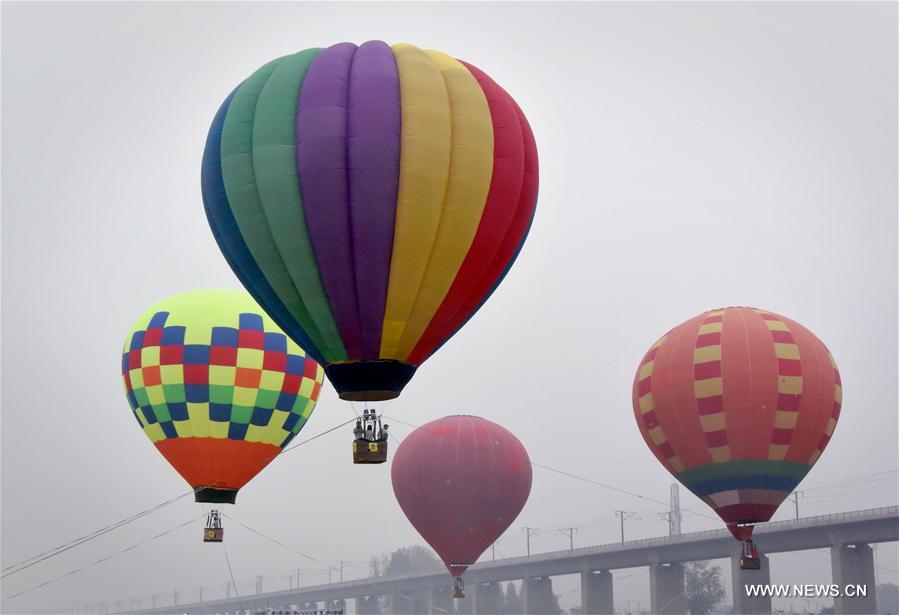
[{"x": 847, "y": 535}]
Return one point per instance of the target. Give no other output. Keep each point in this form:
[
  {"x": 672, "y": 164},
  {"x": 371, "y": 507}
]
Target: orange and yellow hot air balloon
[{"x": 738, "y": 404}]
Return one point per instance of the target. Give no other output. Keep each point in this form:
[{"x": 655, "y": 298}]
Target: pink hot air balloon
[{"x": 461, "y": 480}]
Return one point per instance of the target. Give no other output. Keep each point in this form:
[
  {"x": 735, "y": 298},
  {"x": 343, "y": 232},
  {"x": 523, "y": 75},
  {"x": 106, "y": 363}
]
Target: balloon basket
[
  {"x": 458, "y": 589},
  {"x": 213, "y": 532},
  {"x": 750, "y": 560},
  {"x": 370, "y": 444},
  {"x": 369, "y": 452}
]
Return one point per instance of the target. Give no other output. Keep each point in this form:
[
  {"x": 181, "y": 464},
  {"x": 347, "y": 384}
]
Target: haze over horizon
[{"x": 692, "y": 156}]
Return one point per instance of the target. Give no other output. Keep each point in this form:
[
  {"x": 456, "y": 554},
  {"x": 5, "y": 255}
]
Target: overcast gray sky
[{"x": 691, "y": 156}]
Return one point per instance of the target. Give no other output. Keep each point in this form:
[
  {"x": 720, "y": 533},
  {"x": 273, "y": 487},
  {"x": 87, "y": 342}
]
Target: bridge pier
[
  {"x": 488, "y": 598},
  {"x": 401, "y": 604},
  {"x": 537, "y": 595},
  {"x": 336, "y": 606},
  {"x": 421, "y": 601},
  {"x": 853, "y": 565},
  {"x": 596, "y": 593},
  {"x": 368, "y": 605},
  {"x": 440, "y": 601},
  {"x": 464, "y": 606},
  {"x": 666, "y": 589},
  {"x": 743, "y": 603}
]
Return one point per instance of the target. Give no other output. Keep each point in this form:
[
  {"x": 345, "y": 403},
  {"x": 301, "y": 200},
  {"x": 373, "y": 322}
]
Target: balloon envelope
[
  {"x": 370, "y": 198},
  {"x": 217, "y": 387},
  {"x": 461, "y": 480},
  {"x": 738, "y": 404}
]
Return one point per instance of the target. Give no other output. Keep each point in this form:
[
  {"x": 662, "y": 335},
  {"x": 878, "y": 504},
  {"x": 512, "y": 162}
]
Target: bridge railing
[{"x": 690, "y": 536}]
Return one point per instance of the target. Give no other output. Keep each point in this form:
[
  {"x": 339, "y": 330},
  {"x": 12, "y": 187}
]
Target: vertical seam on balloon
[
  {"x": 449, "y": 167},
  {"x": 230, "y": 206},
  {"x": 492, "y": 490},
  {"x": 789, "y": 384},
  {"x": 528, "y": 151},
  {"x": 708, "y": 385},
  {"x": 462, "y": 106},
  {"x": 213, "y": 208},
  {"x": 347, "y": 325},
  {"x": 439, "y": 500},
  {"x": 371, "y": 330},
  {"x": 274, "y": 244},
  {"x": 349, "y": 198},
  {"x": 442, "y": 329},
  {"x": 834, "y": 413},
  {"x": 456, "y": 467},
  {"x": 813, "y": 437},
  {"x": 192, "y": 468},
  {"x": 648, "y": 417},
  {"x": 675, "y": 422},
  {"x": 739, "y": 313},
  {"x": 313, "y": 317}
]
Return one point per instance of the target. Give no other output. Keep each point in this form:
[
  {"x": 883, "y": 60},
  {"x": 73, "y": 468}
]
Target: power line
[
  {"x": 625, "y": 491},
  {"x": 108, "y": 557},
  {"x": 233, "y": 582},
  {"x": 278, "y": 542},
  {"x": 36, "y": 559},
  {"x": 855, "y": 481},
  {"x": 95, "y": 534},
  {"x": 316, "y": 437}
]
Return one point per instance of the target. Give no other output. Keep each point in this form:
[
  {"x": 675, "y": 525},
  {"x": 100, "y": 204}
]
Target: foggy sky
[{"x": 692, "y": 156}]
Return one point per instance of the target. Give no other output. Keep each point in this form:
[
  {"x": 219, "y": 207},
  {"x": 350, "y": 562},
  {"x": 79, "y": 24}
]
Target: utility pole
[
  {"x": 201, "y": 593},
  {"x": 258, "y": 583},
  {"x": 674, "y": 515},
  {"x": 795, "y": 500},
  {"x": 528, "y": 531},
  {"x": 624, "y": 514},
  {"x": 341, "y": 570},
  {"x": 175, "y": 601},
  {"x": 330, "y": 569},
  {"x": 571, "y": 532}
]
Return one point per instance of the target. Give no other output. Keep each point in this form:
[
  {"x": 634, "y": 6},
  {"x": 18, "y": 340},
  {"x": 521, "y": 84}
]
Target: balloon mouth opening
[
  {"x": 741, "y": 531},
  {"x": 368, "y": 395},
  {"x": 212, "y": 495},
  {"x": 457, "y": 569},
  {"x": 369, "y": 380}
]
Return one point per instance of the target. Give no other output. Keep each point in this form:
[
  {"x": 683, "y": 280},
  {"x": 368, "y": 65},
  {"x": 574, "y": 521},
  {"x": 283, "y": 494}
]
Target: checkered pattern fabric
[{"x": 239, "y": 378}]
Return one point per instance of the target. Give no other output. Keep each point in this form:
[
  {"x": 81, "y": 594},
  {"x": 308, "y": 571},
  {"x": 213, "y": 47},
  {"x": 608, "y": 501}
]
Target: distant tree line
[{"x": 415, "y": 558}]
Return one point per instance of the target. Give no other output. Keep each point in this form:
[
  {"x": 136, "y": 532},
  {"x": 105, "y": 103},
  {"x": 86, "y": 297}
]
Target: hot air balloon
[
  {"x": 371, "y": 199},
  {"x": 738, "y": 404},
  {"x": 218, "y": 388},
  {"x": 446, "y": 477}
]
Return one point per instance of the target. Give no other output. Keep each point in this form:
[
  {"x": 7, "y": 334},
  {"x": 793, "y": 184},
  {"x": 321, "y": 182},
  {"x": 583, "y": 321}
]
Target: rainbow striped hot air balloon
[
  {"x": 217, "y": 387},
  {"x": 738, "y": 404},
  {"x": 370, "y": 198}
]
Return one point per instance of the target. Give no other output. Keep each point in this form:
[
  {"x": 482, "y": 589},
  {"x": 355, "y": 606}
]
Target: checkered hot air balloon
[
  {"x": 370, "y": 198},
  {"x": 218, "y": 388},
  {"x": 738, "y": 404}
]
